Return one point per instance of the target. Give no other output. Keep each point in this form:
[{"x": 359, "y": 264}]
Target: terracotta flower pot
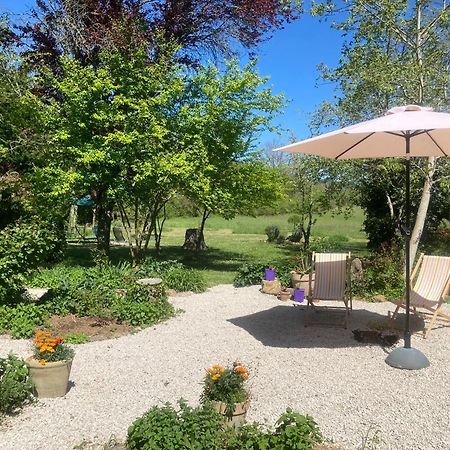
[
  {"x": 51, "y": 379},
  {"x": 300, "y": 281},
  {"x": 285, "y": 295},
  {"x": 238, "y": 417}
]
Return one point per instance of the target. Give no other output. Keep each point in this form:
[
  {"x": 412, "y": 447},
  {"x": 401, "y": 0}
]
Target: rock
[
  {"x": 36, "y": 293},
  {"x": 149, "y": 281}
]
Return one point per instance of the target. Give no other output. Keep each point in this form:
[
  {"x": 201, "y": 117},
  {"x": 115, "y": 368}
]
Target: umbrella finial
[{"x": 408, "y": 108}]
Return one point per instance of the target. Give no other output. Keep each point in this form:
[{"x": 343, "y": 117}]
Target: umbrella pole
[
  {"x": 406, "y": 357},
  {"x": 407, "y": 336}
]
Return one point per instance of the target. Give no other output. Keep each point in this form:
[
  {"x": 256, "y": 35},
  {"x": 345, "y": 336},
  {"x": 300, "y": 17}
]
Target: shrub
[
  {"x": 273, "y": 233},
  {"x": 166, "y": 428},
  {"x": 183, "y": 279},
  {"x": 250, "y": 274},
  {"x": 139, "y": 308},
  {"x": 154, "y": 268},
  {"x": 201, "y": 429},
  {"x": 253, "y": 273},
  {"x": 21, "y": 320},
  {"x": 15, "y": 386},
  {"x": 295, "y": 431},
  {"x": 383, "y": 275},
  {"x": 23, "y": 247}
]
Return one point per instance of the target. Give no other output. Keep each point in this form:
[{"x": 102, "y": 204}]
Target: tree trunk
[
  {"x": 423, "y": 208},
  {"x": 104, "y": 219},
  {"x": 201, "y": 245},
  {"x": 193, "y": 241}
]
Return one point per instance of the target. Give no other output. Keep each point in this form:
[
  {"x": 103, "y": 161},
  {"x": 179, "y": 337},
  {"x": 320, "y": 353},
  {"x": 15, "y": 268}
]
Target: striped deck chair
[
  {"x": 432, "y": 281},
  {"x": 332, "y": 281}
]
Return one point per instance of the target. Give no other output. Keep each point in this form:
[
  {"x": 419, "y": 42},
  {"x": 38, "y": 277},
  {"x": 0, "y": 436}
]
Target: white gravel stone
[{"x": 346, "y": 386}]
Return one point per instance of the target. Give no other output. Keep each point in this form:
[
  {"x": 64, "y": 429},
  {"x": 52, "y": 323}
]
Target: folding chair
[
  {"x": 332, "y": 282},
  {"x": 432, "y": 281}
]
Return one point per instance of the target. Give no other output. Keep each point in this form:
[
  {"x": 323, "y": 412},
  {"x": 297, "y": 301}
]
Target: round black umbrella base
[{"x": 407, "y": 358}]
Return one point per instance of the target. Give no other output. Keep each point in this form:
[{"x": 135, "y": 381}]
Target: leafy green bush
[
  {"x": 293, "y": 431},
  {"x": 383, "y": 275},
  {"x": 166, "y": 428},
  {"x": 15, "y": 386},
  {"x": 154, "y": 268},
  {"x": 273, "y": 233},
  {"x": 163, "y": 428},
  {"x": 23, "y": 246},
  {"x": 21, "y": 320},
  {"x": 139, "y": 308},
  {"x": 249, "y": 274},
  {"x": 182, "y": 279},
  {"x": 253, "y": 273}
]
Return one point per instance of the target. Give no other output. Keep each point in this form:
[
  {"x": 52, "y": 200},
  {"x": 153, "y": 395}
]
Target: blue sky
[{"x": 290, "y": 59}]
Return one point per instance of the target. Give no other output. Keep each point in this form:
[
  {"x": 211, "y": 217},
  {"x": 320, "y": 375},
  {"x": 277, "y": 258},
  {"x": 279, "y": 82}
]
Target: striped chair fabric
[
  {"x": 432, "y": 280},
  {"x": 331, "y": 275}
]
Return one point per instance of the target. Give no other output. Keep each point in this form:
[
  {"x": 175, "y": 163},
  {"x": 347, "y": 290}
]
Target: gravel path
[{"x": 345, "y": 386}]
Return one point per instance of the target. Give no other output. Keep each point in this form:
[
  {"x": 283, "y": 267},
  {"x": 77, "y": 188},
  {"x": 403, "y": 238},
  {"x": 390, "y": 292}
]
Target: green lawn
[{"x": 234, "y": 242}]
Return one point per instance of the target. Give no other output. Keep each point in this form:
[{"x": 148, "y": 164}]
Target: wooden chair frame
[
  {"x": 434, "y": 313},
  {"x": 347, "y": 299}
]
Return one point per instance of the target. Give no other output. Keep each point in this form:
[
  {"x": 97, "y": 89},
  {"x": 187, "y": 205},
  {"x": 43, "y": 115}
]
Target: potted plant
[
  {"x": 50, "y": 365},
  {"x": 224, "y": 388},
  {"x": 300, "y": 273}
]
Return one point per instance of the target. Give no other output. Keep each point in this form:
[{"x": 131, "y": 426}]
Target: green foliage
[
  {"x": 15, "y": 386},
  {"x": 139, "y": 308},
  {"x": 383, "y": 275},
  {"x": 166, "y": 428},
  {"x": 174, "y": 274},
  {"x": 183, "y": 279},
  {"x": 23, "y": 247},
  {"x": 273, "y": 233},
  {"x": 250, "y": 274},
  {"x": 76, "y": 338},
  {"x": 22, "y": 319},
  {"x": 295, "y": 431}
]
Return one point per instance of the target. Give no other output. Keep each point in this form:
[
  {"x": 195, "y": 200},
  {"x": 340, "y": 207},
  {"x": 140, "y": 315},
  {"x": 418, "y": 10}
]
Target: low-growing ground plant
[
  {"x": 76, "y": 338},
  {"x": 15, "y": 386},
  {"x": 168, "y": 428},
  {"x": 138, "y": 308},
  {"x": 183, "y": 279},
  {"x": 201, "y": 428}
]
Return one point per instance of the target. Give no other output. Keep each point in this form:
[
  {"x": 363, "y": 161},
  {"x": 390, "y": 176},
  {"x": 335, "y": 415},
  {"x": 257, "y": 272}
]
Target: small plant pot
[
  {"x": 299, "y": 295},
  {"x": 237, "y": 418},
  {"x": 270, "y": 274},
  {"x": 51, "y": 379},
  {"x": 285, "y": 295}
]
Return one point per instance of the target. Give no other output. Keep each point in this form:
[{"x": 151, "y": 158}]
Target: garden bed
[{"x": 96, "y": 328}]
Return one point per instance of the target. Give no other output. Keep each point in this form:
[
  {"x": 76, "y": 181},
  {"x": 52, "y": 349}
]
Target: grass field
[{"x": 234, "y": 242}]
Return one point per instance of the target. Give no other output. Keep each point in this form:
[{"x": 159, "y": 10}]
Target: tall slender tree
[{"x": 397, "y": 52}]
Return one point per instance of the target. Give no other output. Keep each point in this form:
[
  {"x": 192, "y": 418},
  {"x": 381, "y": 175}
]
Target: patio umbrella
[{"x": 405, "y": 131}]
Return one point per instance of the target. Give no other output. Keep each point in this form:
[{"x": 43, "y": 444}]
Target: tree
[
  {"x": 20, "y": 123},
  {"x": 397, "y": 54},
  {"x": 83, "y": 28},
  {"x": 226, "y": 113},
  {"x": 114, "y": 134},
  {"x": 318, "y": 186}
]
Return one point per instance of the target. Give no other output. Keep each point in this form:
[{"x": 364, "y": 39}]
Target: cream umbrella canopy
[{"x": 405, "y": 131}]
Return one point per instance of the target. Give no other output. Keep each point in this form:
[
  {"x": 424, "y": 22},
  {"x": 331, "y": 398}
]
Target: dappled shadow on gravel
[{"x": 283, "y": 327}]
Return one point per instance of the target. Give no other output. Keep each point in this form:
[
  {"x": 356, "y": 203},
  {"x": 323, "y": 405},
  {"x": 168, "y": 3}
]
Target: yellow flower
[
  {"x": 42, "y": 362},
  {"x": 215, "y": 377}
]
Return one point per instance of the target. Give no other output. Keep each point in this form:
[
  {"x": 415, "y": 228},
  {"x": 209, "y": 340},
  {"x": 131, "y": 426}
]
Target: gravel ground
[{"x": 346, "y": 386}]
